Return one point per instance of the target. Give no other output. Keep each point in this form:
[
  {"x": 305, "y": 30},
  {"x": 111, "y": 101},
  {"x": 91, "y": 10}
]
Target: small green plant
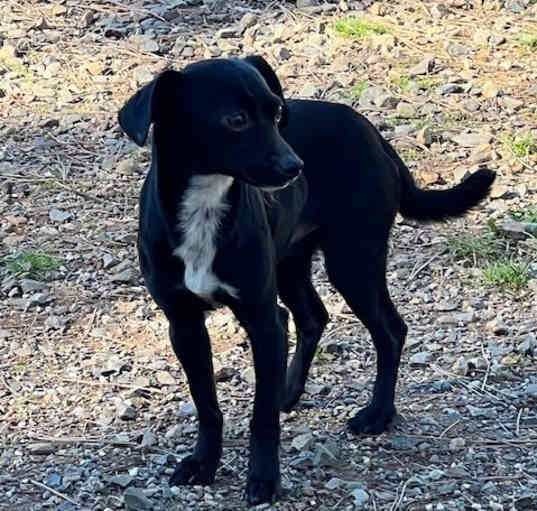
[
  {"x": 403, "y": 82},
  {"x": 409, "y": 154},
  {"x": 426, "y": 83},
  {"x": 33, "y": 264},
  {"x": 357, "y": 89},
  {"x": 507, "y": 274},
  {"x": 520, "y": 146},
  {"x": 358, "y": 27},
  {"x": 397, "y": 121},
  {"x": 476, "y": 248},
  {"x": 529, "y": 40},
  {"x": 527, "y": 214}
]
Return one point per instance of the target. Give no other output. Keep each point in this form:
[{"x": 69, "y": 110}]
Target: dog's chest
[{"x": 200, "y": 213}]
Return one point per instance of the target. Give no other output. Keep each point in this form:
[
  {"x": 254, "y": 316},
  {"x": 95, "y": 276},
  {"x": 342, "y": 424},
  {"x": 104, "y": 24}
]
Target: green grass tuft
[
  {"x": 476, "y": 248},
  {"x": 358, "y": 27},
  {"x": 529, "y": 40},
  {"x": 528, "y": 214},
  {"x": 358, "y": 88},
  {"x": 33, "y": 264},
  {"x": 520, "y": 146},
  {"x": 507, "y": 274}
]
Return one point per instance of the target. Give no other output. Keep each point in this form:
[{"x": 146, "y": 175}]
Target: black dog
[{"x": 224, "y": 140}]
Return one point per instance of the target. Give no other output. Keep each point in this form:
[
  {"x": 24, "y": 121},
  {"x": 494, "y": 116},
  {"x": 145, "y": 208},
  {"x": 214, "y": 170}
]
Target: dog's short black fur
[{"x": 229, "y": 118}]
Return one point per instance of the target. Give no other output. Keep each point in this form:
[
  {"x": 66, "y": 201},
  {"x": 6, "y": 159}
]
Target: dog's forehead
[{"x": 232, "y": 76}]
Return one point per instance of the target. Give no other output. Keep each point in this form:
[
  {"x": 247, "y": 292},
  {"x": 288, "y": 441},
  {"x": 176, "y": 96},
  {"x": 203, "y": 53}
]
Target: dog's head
[{"x": 222, "y": 115}]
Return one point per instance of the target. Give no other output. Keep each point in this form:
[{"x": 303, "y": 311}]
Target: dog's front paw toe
[
  {"x": 261, "y": 491},
  {"x": 191, "y": 471},
  {"x": 371, "y": 421}
]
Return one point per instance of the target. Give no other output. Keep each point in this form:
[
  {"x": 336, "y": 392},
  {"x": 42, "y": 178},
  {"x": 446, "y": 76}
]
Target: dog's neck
[{"x": 201, "y": 210}]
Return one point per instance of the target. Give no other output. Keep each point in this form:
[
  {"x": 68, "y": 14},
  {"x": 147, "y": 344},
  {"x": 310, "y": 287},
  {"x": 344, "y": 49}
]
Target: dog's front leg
[
  {"x": 190, "y": 341},
  {"x": 268, "y": 338}
]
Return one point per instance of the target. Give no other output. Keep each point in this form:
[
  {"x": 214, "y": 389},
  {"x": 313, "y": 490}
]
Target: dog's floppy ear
[
  {"x": 270, "y": 77},
  {"x": 143, "y": 108}
]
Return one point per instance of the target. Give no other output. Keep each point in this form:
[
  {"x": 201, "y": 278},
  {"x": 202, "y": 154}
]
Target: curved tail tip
[{"x": 483, "y": 177}]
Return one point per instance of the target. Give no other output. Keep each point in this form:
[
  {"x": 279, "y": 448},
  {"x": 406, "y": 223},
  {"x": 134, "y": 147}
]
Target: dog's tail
[{"x": 440, "y": 204}]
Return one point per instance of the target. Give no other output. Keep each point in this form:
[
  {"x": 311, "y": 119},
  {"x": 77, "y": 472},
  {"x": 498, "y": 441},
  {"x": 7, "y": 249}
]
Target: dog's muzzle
[{"x": 281, "y": 187}]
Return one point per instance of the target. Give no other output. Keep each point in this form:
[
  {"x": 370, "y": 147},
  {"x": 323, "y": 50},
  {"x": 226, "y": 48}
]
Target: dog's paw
[
  {"x": 260, "y": 491},
  {"x": 191, "y": 471},
  {"x": 290, "y": 398},
  {"x": 371, "y": 421}
]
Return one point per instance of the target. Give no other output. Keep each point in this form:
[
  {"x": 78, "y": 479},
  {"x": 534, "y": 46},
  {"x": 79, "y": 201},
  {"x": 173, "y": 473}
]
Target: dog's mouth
[{"x": 281, "y": 187}]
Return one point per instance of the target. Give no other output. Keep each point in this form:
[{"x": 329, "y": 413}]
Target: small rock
[
  {"x": 490, "y": 90},
  {"x": 125, "y": 411},
  {"x": 59, "y": 216},
  {"x": 405, "y": 110},
  {"x": 333, "y": 483},
  {"x": 301, "y": 4},
  {"x": 165, "y": 378},
  {"x": 123, "y": 276},
  {"x": 142, "y": 75},
  {"x": 424, "y": 136},
  {"x": 459, "y": 49},
  {"x": 54, "y": 480},
  {"x": 31, "y": 286},
  {"x": 386, "y": 101},
  {"x": 528, "y": 346},
  {"x": 420, "y": 359},
  {"x": 187, "y": 410},
  {"x": 302, "y": 442},
  {"x": 148, "y": 45},
  {"x": 42, "y": 448},
  {"x": 512, "y": 103},
  {"x": 457, "y": 444},
  {"x": 425, "y": 66},
  {"x": 481, "y": 36},
  {"x": 449, "y": 88},
  {"x": 173, "y": 432},
  {"x": 471, "y": 139},
  {"x": 246, "y": 22},
  {"x": 248, "y": 375},
  {"x": 480, "y": 412},
  {"x": 122, "y": 480},
  {"x": 109, "y": 260},
  {"x": 149, "y": 439},
  {"x": 325, "y": 456},
  {"x": 434, "y": 475},
  {"x": 361, "y": 497},
  {"x": 135, "y": 499},
  {"x": 127, "y": 167},
  {"x": 497, "y": 327},
  {"x": 531, "y": 390},
  {"x": 370, "y": 94},
  {"x": 226, "y": 33}
]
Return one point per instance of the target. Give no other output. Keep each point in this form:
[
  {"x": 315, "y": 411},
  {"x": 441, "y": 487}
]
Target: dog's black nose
[{"x": 289, "y": 164}]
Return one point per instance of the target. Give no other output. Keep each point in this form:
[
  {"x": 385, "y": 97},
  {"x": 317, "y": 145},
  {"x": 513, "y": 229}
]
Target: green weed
[
  {"x": 358, "y": 27},
  {"x": 33, "y": 264},
  {"x": 520, "y": 146},
  {"x": 507, "y": 274}
]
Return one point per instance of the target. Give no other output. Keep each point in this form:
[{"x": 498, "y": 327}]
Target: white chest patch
[{"x": 200, "y": 213}]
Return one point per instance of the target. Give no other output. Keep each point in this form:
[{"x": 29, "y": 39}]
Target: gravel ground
[{"x": 94, "y": 407}]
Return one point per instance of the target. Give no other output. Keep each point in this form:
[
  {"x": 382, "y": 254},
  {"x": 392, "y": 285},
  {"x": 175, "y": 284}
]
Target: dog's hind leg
[
  {"x": 358, "y": 273},
  {"x": 310, "y": 317},
  {"x": 190, "y": 341}
]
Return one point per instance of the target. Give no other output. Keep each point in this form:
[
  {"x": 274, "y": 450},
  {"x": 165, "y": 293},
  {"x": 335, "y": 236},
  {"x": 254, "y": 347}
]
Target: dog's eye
[
  {"x": 278, "y": 115},
  {"x": 236, "y": 122}
]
